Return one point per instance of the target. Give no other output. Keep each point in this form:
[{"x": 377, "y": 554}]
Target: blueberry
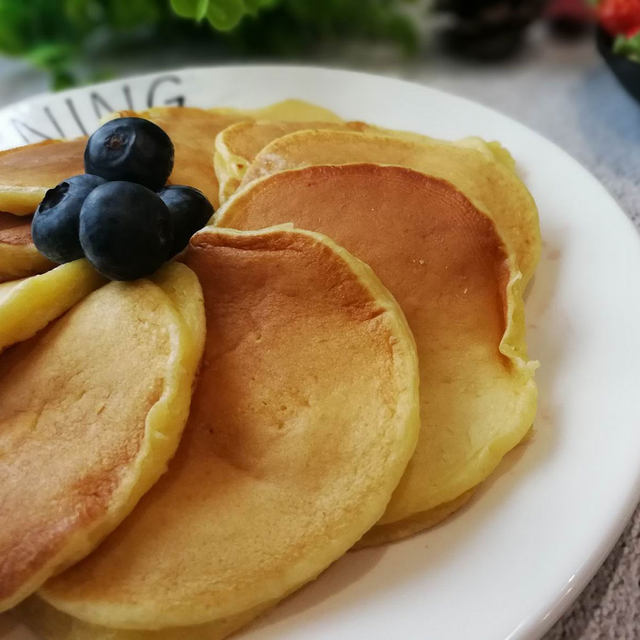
[
  {"x": 54, "y": 228},
  {"x": 132, "y": 149},
  {"x": 190, "y": 210},
  {"x": 125, "y": 230}
]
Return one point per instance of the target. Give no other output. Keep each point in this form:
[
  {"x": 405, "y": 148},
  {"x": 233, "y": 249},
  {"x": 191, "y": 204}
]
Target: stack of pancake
[{"x": 337, "y": 360}]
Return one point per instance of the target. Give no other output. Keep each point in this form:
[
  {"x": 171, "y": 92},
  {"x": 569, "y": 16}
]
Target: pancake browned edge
[
  {"x": 386, "y": 533},
  {"x": 18, "y": 255},
  {"x": 302, "y": 422},
  {"x": 27, "y": 172},
  {"x": 98, "y": 400},
  {"x": 446, "y": 263}
]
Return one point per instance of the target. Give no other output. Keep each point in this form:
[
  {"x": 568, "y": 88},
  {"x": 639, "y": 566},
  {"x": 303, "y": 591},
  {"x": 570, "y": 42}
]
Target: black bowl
[{"x": 627, "y": 71}]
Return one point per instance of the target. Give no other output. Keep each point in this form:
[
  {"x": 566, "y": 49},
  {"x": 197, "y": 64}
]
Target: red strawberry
[{"x": 620, "y": 16}]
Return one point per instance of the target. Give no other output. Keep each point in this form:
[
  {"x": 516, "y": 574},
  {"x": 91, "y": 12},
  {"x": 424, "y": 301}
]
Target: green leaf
[
  {"x": 196, "y": 9},
  {"x": 79, "y": 11},
  {"x": 62, "y": 79},
  {"x": 201, "y": 9},
  {"x": 50, "y": 55},
  {"x": 225, "y": 14},
  {"x": 185, "y": 8},
  {"x": 629, "y": 47},
  {"x": 14, "y": 36},
  {"x": 253, "y": 6},
  {"x": 127, "y": 14}
]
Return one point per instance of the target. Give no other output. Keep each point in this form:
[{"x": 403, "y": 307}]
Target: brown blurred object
[{"x": 488, "y": 29}]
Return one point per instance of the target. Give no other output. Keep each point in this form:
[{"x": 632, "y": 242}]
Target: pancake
[
  {"x": 290, "y": 110},
  {"x": 470, "y": 165},
  {"x": 98, "y": 399},
  {"x": 493, "y": 150},
  {"x": 446, "y": 264},
  {"x": 386, "y": 533},
  {"x": 193, "y": 132},
  {"x": 302, "y": 423},
  {"x": 18, "y": 255},
  {"x": 237, "y": 146},
  {"x": 27, "y": 172},
  {"x": 50, "y": 624},
  {"x": 183, "y": 289},
  {"x": 30, "y": 304}
]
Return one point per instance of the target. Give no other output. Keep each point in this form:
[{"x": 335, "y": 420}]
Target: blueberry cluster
[{"x": 119, "y": 214}]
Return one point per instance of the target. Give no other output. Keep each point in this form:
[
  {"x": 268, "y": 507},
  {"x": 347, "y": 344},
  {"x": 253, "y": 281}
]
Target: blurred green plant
[
  {"x": 60, "y": 35},
  {"x": 629, "y": 47},
  {"x": 221, "y": 14}
]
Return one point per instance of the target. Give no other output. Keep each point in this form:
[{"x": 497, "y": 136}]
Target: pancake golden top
[
  {"x": 444, "y": 261},
  {"x": 29, "y": 304},
  {"x": 302, "y": 422},
  {"x": 91, "y": 409},
  {"x": 27, "y": 172},
  {"x": 489, "y": 183},
  {"x": 238, "y": 145}
]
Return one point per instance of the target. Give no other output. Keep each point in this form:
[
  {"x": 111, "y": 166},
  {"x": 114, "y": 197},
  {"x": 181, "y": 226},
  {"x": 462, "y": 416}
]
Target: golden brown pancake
[
  {"x": 91, "y": 409},
  {"x": 302, "y": 423},
  {"x": 18, "y": 255},
  {"x": 30, "y": 304},
  {"x": 27, "y": 172},
  {"x": 488, "y": 183},
  {"x": 290, "y": 110},
  {"x": 446, "y": 264},
  {"x": 193, "y": 132},
  {"x": 239, "y": 144}
]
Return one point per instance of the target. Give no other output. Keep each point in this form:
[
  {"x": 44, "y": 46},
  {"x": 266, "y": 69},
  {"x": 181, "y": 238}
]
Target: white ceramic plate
[{"x": 507, "y": 565}]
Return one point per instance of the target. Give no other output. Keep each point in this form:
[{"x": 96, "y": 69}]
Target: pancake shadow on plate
[
  {"x": 547, "y": 340},
  {"x": 328, "y": 586},
  {"x": 331, "y": 590}
]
